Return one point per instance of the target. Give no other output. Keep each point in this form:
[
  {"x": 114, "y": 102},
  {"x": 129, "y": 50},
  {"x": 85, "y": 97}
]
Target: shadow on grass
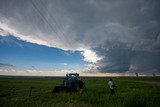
[{"x": 135, "y": 103}]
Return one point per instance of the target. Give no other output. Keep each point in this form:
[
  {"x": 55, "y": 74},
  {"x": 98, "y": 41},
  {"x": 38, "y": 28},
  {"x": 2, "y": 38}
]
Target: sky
[{"x": 85, "y": 36}]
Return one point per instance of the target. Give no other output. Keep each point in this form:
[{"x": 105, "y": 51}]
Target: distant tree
[
  {"x": 136, "y": 74},
  {"x": 153, "y": 74}
]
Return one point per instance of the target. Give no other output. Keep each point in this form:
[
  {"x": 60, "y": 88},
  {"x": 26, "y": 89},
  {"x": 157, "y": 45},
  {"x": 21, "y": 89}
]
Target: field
[{"x": 36, "y": 92}]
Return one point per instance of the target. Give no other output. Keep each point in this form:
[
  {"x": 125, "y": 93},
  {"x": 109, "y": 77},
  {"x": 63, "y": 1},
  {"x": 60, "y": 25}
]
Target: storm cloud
[
  {"x": 124, "y": 34},
  {"x": 5, "y": 65}
]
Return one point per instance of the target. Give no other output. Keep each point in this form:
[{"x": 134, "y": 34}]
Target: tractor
[{"x": 69, "y": 84}]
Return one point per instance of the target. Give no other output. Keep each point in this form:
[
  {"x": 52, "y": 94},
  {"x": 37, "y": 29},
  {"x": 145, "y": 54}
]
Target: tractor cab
[
  {"x": 73, "y": 75},
  {"x": 70, "y": 83},
  {"x": 70, "y": 79}
]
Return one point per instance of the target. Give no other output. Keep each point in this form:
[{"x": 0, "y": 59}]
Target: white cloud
[
  {"x": 90, "y": 56},
  {"x": 6, "y": 30},
  {"x": 65, "y": 64},
  {"x": 3, "y": 33},
  {"x": 84, "y": 26}
]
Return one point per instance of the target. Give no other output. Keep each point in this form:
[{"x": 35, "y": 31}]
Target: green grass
[{"x": 15, "y": 92}]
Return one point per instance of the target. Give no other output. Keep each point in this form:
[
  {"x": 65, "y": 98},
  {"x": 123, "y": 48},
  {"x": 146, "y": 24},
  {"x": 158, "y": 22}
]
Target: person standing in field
[
  {"x": 111, "y": 87},
  {"x": 65, "y": 80},
  {"x": 81, "y": 86}
]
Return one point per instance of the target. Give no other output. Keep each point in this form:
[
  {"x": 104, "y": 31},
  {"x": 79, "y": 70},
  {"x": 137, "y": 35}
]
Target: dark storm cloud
[
  {"x": 116, "y": 57},
  {"x": 126, "y": 33},
  {"x": 5, "y": 65},
  {"x": 138, "y": 50}
]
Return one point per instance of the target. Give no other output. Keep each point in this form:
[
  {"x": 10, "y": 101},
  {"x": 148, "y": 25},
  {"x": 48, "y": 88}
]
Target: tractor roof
[{"x": 76, "y": 74}]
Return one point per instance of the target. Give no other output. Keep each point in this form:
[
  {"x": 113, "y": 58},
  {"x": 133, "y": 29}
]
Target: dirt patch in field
[{"x": 157, "y": 83}]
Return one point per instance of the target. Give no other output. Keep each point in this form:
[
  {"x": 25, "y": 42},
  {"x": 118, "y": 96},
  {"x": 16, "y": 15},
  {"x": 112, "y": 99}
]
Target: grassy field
[{"x": 15, "y": 92}]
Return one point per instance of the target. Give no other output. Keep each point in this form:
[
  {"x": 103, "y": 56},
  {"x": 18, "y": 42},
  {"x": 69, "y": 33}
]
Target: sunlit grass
[{"x": 15, "y": 92}]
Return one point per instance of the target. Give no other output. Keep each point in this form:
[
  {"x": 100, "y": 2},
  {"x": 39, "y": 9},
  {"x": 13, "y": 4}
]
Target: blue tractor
[{"x": 69, "y": 84}]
